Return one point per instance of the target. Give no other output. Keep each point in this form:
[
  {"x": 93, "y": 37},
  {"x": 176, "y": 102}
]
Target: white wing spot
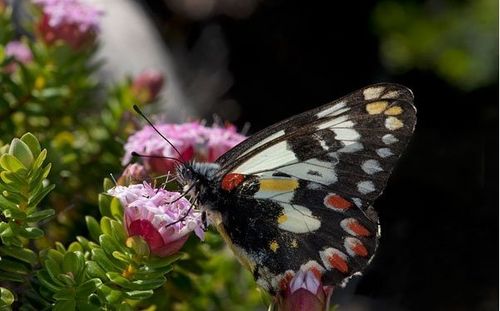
[
  {"x": 391, "y": 95},
  {"x": 265, "y": 141},
  {"x": 299, "y": 219},
  {"x": 371, "y": 167},
  {"x": 389, "y": 139},
  {"x": 366, "y": 187},
  {"x": 357, "y": 201},
  {"x": 334, "y": 122},
  {"x": 393, "y": 123},
  {"x": 333, "y": 110},
  {"x": 346, "y": 134},
  {"x": 351, "y": 147},
  {"x": 384, "y": 152},
  {"x": 327, "y": 174},
  {"x": 373, "y": 92},
  {"x": 274, "y": 156}
]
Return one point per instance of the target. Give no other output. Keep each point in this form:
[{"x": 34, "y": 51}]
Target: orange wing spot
[
  {"x": 231, "y": 181},
  {"x": 338, "y": 263},
  {"x": 359, "y": 229},
  {"x": 336, "y": 201},
  {"x": 360, "y": 249}
]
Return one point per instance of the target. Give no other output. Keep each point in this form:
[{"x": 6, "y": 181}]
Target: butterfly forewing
[{"x": 310, "y": 181}]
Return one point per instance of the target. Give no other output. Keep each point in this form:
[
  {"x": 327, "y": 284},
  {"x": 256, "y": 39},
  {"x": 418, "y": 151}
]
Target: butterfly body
[{"x": 298, "y": 195}]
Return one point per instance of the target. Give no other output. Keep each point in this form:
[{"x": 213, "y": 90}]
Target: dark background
[{"x": 439, "y": 213}]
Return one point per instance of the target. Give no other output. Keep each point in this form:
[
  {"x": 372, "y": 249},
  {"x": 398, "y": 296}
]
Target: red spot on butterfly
[
  {"x": 336, "y": 201},
  {"x": 358, "y": 228},
  {"x": 285, "y": 280},
  {"x": 231, "y": 181},
  {"x": 359, "y": 249},
  {"x": 338, "y": 263}
]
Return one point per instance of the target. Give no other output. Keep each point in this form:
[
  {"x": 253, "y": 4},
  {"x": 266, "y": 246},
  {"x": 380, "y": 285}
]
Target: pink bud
[
  {"x": 133, "y": 174},
  {"x": 304, "y": 292},
  {"x": 147, "y": 85}
]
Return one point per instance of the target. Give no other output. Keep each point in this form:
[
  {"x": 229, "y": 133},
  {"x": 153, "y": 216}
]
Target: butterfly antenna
[
  {"x": 139, "y": 111},
  {"x": 135, "y": 154}
]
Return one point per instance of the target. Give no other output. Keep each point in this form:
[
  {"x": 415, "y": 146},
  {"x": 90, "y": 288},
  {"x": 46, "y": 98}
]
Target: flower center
[{"x": 148, "y": 232}]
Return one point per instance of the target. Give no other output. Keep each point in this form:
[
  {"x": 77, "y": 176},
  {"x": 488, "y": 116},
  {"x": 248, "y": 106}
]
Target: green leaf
[
  {"x": 87, "y": 288},
  {"x": 46, "y": 281},
  {"x": 10, "y": 163},
  {"x": 93, "y": 227},
  {"x": 32, "y": 233},
  {"x": 22, "y": 152},
  {"x": 20, "y": 253},
  {"x": 53, "y": 270},
  {"x": 103, "y": 260},
  {"x": 39, "y": 160},
  {"x": 14, "y": 266},
  {"x": 108, "y": 184},
  {"x": 6, "y": 296},
  {"x": 72, "y": 263},
  {"x": 109, "y": 245},
  {"x": 35, "y": 200},
  {"x": 104, "y": 204},
  {"x": 94, "y": 270},
  {"x": 118, "y": 232},
  {"x": 32, "y": 142},
  {"x": 65, "y": 305},
  {"x": 11, "y": 277},
  {"x": 40, "y": 215},
  {"x": 139, "y": 294},
  {"x": 116, "y": 209}
]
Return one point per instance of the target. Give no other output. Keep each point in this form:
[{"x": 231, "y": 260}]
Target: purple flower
[
  {"x": 304, "y": 291},
  {"x": 147, "y": 85},
  {"x": 193, "y": 140},
  {"x": 149, "y": 214},
  {"x": 20, "y": 52},
  {"x": 71, "y": 21}
]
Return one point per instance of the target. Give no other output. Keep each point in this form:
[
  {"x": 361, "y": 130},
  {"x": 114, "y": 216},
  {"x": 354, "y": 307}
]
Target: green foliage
[
  {"x": 459, "y": 42},
  {"x": 82, "y": 124}
]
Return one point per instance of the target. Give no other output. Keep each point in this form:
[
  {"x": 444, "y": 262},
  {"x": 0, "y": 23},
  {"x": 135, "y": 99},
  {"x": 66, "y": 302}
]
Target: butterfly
[{"x": 298, "y": 195}]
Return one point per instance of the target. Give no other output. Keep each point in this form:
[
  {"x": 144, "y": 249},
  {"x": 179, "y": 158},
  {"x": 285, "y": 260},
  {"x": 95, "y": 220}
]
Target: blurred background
[
  {"x": 260, "y": 61},
  {"x": 257, "y": 62}
]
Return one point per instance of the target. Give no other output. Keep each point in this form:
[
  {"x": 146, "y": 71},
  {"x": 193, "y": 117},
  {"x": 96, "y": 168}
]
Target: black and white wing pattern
[{"x": 303, "y": 188}]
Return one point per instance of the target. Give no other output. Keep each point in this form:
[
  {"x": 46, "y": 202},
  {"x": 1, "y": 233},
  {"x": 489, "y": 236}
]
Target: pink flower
[
  {"x": 68, "y": 20},
  {"x": 149, "y": 213},
  {"x": 147, "y": 85},
  {"x": 305, "y": 292},
  {"x": 193, "y": 140},
  {"x": 20, "y": 52}
]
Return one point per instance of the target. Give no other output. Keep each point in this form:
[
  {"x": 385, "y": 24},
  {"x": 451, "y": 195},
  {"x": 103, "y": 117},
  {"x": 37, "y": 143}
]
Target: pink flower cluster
[
  {"x": 149, "y": 213},
  {"x": 20, "y": 52},
  {"x": 69, "y": 20},
  {"x": 193, "y": 140}
]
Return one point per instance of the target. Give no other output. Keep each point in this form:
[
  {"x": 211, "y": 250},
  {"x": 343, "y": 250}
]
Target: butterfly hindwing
[{"x": 305, "y": 186}]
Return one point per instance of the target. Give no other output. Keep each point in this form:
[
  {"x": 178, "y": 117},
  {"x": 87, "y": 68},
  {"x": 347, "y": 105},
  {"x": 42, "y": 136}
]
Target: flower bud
[
  {"x": 147, "y": 85},
  {"x": 133, "y": 174},
  {"x": 304, "y": 292}
]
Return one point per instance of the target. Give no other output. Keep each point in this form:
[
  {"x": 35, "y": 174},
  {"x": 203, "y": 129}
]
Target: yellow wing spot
[
  {"x": 394, "y": 111},
  {"x": 393, "y": 123},
  {"x": 278, "y": 184},
  {"x": 282, "y": 218},
  {"x": 376, "y": 107},
  {"x": 294, "y": 243},
  {"x": 274, "y": 246}
]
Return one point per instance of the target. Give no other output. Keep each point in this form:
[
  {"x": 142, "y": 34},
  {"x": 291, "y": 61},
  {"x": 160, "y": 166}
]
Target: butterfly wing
[{"x": 310, "y": 180}]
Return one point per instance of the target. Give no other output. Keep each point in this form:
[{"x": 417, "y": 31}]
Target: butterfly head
[{"x": 198, "y": 178}]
